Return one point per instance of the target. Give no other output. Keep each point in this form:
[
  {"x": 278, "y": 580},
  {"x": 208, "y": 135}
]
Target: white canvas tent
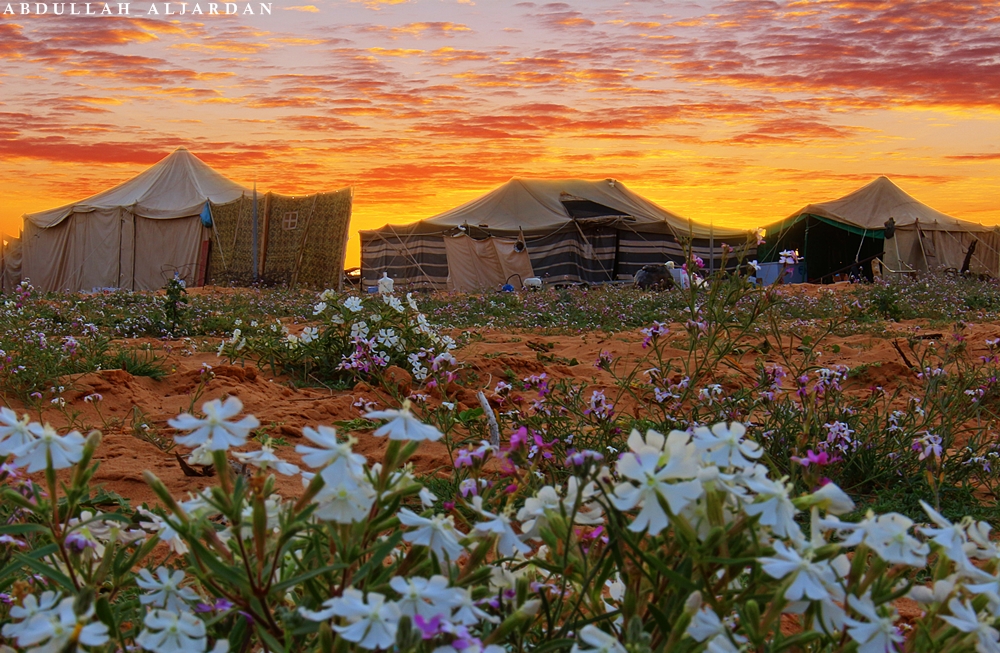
[
  {"x": 572, "y": 230},
  {"x": 134, "y": 236},
  {"x": 832, "y": 235}
]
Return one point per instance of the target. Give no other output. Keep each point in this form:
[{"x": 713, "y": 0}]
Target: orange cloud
[
  {"x": 397, "y": 52},
  {"x": 378, "y": 4}
]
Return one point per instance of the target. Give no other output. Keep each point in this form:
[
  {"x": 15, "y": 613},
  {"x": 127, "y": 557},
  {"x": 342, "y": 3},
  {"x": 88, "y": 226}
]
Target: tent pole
[
  {"x": 253, "y": 234},
  {"x": 215, "y": 230},
  {"x": 920, "y": 239},
  {"x": 266, "y": 234}
]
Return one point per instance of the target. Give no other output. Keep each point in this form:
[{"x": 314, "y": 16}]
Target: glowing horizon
[{"x": 738, "y": 113}]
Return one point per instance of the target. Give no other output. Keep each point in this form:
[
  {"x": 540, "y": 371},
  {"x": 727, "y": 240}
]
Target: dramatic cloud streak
[{"x": 738, "y": 112}]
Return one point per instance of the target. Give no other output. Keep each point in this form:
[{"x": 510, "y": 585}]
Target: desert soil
[{"x": 285, "y": 410}]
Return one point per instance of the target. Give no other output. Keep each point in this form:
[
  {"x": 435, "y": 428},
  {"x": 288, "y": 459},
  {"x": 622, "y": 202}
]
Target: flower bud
[{"x": 693, "y": 603}]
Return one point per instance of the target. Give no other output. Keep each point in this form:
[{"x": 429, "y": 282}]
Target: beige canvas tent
[
  {"x": 10, "y": 263},
  {"x": 136, "y": 235},
  {"x": 562, "y": 230},
  {"x": 833, "y": 235}
]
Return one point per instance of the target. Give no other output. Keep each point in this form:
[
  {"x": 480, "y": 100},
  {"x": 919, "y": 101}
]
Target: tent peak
[{"x": 176, "y": 186}]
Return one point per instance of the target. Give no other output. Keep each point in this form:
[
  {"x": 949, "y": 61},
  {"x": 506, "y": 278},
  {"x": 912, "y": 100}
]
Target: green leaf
[
  {"x": 554, "y": 645},
  {"x": 268, "y": 639},
  {"x": 104, "y": 613},
  {"x": 13, "y": 567},
  {"x": 378, "y": 554},
  {"x": 54, "y": 575},
  {"x": 799, "y": 640},
  {"x": 225, "y": 572},
  {"x": 238, "y": 634},
  {"x": 662, "y": 622},
  {"x": 470, "y": 414},
  {"x": 292, "y": 582},
  {"x": 21, "y": 529},
  {"x": 683, "y": 581}
]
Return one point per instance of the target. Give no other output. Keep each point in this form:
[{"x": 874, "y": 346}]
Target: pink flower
[{"x": 820, "y": 459}]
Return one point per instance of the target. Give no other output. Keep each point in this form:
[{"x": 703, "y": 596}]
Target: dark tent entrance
[{"x": 830, "y": 249}]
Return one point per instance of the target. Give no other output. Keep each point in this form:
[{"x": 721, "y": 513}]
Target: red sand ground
[{"x": 286, "y": 410}]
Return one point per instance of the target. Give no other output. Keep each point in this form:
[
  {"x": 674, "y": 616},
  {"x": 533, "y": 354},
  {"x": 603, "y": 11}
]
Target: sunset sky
[{"x": 737, "y": 112}]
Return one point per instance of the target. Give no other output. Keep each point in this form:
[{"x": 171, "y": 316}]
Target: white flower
[
  {"x": 426, "y": 597},
  {"x": 598, "y": 641},
  {"x": 789, "y": 257},
  {"x": 164, "y": 531},
  {"x": 886, "y": 535},
  {"x": 56, "y": 630},
  {"x": 706, "y": 625},
  {"x": 319, "y": 308},
  {"x": 533, "y": 515},
  {"x": 371, "y": 625},
  {"x": 467, "y": 612},
  {"x": 30, "y": 608},
  {"x": 387, "y": 337},
  {"x": 438, "y": 533},
  {"x": 214, "y": 431},
  {"x": 200, "y": 455},
  {"x": 724, "y": 445},
  {"x": 402, "y": 425},
  {"x": 65, "y": 451},
  {"x": 308, "y": 335},
  {"x": 949, "y": 537},
  {"x": 651, "y": 463},
  {"x": 755, "y": 265},
  {"x": 353, "y": 304},
  {"x": 809, "y": 575},
  {"x": 509, "y": 542},
  {"x": 393, "y": 303},
  {"x": 359, "y": 330},
  {"x": 832, "y": 499},
  {"x": 980, "y": 545},
  {"x": 346, "y": 502},
  {"x": 265, "y": 459},
  {"x": 15, "y": 433},
  {"x": 773, "y": 505},
  {"x": 938, "y": 592},
  {"x": 91, "y": 533},
  {"x": 336, "y": 457},
  {"x": 964, "y": 618},
  {"x": 167, "y": 631},
  {"x": 877, "y": 635},
  {"x": 165, "y": 590}
]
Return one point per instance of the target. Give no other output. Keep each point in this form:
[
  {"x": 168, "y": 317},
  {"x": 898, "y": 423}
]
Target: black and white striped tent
[{"x": 572, "y": 230}]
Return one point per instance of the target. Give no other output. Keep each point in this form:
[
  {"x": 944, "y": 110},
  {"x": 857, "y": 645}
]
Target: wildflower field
[{"x": 723, "y": 468}]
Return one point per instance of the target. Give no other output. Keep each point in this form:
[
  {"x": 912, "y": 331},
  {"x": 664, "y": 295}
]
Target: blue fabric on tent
[{"x": 206, "y": 215}]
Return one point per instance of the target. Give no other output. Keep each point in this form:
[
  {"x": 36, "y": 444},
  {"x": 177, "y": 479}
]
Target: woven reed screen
[{"x": 302, "y": 239}]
